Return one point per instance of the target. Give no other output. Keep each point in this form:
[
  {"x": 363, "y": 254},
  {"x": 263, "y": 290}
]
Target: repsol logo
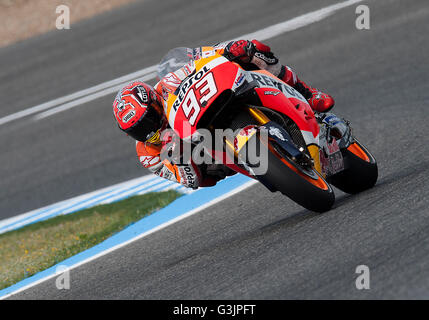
[
  {"x": 184, "y": 86},
  {"x": 270, "y": 82},
  {"x": 190, "y": 176}
]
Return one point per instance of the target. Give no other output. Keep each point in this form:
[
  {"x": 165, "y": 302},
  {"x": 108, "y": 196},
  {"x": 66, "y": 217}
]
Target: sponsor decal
[
  {"x": 142, "y": 93},
  {"x": 208, "y": 53},
  {"x": 272, "y": 93},
  {"x": 239, "y": 80},
  {"x": 129, "y": 116},
  {"x": 187, "y": 175},
  {"x": 265, "y": 81},
  {"x": 265, "y": 58},
  {"x": 167, "y": 174},
  {"x": 331, "y": 158},
  {"x": 181, "y": 91},
  {"x": 277, "y": 133},
  {"x": 120, "y": 106},
  {"x": 149, "y": 161},
  {"x": 243, "y": 136},
  {"x": 333, "y": 147}
]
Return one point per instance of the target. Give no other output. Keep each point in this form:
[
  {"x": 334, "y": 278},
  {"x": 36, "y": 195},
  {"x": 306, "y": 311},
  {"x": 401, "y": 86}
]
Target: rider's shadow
[{"x": 294, "y": 219}]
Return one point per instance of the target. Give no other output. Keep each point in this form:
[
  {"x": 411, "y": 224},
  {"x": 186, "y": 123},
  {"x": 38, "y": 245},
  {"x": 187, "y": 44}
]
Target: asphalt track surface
[{"x": 255, "y": 245}]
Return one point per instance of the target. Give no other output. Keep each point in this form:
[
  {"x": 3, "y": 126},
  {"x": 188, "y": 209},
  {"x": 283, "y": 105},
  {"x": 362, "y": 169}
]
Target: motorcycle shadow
[{"x": 303, "y": 215}]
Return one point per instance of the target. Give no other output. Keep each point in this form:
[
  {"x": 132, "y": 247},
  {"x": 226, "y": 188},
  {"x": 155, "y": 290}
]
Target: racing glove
[
  {"x": 182, "y": 169},
  {"x": 245, "y": 51},
  {"x": 240, "y": 51},
  {"x": 253, "y": 54}
]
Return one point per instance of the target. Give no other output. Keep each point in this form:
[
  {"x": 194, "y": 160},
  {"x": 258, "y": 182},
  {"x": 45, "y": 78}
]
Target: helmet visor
[{"x": 147, "y": 126}]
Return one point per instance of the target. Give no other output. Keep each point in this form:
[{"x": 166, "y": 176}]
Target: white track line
[
  {"x": 298, "y": 22},
  {"x": 92, "y": 97},
  {"x": 77, "y": 95},
  {"x": 149, "y": 73},
  {"x": 110, "y": 194},
  {"x": 59, "y": 207},
  {"x": 160, "y": 227}
]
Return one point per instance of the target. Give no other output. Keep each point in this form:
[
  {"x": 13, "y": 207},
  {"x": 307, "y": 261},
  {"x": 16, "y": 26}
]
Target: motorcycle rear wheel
[{"x": 361, "y": 170}]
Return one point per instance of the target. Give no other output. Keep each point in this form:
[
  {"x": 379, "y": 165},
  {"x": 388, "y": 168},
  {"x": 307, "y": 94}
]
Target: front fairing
[
  {"x": 185, "y": 107},
  {"x": 277, "y": 95}
]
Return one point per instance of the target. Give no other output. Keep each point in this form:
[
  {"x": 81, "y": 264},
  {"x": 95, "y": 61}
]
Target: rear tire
[{"x": 361, "y": 170}]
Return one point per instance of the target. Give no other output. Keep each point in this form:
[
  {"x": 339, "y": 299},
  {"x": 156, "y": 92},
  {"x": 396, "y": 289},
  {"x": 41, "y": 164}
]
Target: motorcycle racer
[{"x": 138, "y": 110}]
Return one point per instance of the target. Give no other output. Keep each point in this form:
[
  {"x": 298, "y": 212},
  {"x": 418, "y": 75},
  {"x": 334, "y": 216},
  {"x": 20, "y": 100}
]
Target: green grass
[{"x": 36, "y": 247}]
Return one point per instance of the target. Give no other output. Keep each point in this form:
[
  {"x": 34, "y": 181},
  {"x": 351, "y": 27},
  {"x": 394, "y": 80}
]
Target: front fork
[
  {"x": 314, "y": 149},
  {"x": 283, "y": 139}
]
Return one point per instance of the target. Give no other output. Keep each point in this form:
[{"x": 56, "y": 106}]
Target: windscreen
[{"x": 173, "y": 60}]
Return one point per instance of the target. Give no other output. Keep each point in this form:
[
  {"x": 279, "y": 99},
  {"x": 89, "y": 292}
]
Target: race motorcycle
[{"x": 303, "y": 155}]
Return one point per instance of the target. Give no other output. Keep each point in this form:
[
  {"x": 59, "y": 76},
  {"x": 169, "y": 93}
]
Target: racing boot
[{"x": 319, "y": 101}]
